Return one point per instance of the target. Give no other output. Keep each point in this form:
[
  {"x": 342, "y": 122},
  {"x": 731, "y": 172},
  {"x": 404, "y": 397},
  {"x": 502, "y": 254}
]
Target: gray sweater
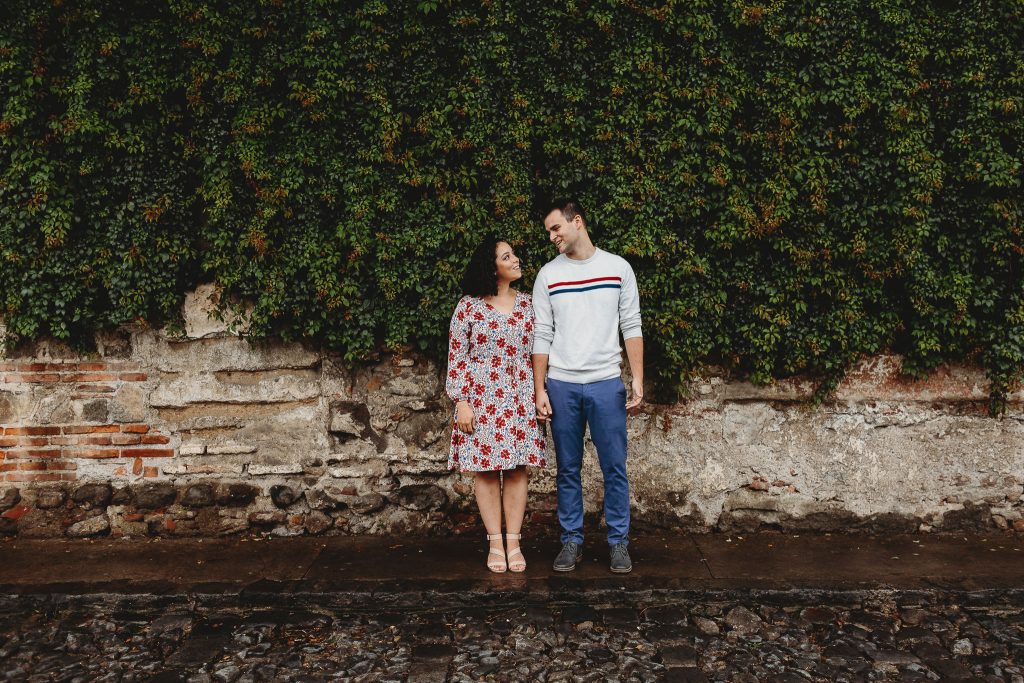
[{"x": 580, "y": 308}]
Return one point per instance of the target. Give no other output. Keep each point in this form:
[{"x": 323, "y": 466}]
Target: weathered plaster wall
[{"x": 208, "y": 434}]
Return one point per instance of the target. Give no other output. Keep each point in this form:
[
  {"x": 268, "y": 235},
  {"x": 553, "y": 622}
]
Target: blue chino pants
[{"x": 602, "y": 405}]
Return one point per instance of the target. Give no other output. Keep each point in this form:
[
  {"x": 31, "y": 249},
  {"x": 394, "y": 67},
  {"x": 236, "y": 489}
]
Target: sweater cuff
[
  {"x": 541, "y": 346},
  {"x": 632, "y": 331}
]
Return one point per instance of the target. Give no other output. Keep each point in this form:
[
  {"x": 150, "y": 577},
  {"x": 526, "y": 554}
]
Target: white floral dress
[{"x": 490, "y": 365}]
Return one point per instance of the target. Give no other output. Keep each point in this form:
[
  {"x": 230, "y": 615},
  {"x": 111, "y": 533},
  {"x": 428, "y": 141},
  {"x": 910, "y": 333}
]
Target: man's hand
[
  {"x": 637, "y": 386},
  {"x": 464, "y": 417},
  {"x": 543, "y": 405}
]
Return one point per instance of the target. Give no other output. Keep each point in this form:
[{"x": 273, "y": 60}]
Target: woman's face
[{"x": 507, "y": 263}]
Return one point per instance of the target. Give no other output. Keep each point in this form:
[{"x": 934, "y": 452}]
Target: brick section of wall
[
  {"x": 91, "y": 380},
  {"x": 54, "y": 452},
  {"x": 41, "y": 453}
]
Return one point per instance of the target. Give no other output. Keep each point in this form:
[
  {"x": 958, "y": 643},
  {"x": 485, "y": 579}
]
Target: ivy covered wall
[{"x": 795, "y": 183}]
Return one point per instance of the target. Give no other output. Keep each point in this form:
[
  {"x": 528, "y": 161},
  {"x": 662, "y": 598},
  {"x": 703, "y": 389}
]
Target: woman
[{"x": 490, "y": 379}]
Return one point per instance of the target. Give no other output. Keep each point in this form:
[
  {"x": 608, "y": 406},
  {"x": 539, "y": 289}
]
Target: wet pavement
[{"x": 768, "y": 607}]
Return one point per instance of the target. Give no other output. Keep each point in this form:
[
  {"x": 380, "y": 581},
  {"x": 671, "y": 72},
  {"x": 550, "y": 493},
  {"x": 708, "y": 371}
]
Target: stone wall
[{"x": 207, "y": 434}]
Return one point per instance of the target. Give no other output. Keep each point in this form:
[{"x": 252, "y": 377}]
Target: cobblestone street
[
  {"x": 650, "y": 636},
  {"x": 746, "y": 609}
]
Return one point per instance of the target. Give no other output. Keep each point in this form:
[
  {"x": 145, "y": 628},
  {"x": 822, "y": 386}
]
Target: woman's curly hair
[{"x": 481, "y": 276}]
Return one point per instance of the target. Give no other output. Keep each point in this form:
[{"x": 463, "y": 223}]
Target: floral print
[{"x": 489, "y": 365}]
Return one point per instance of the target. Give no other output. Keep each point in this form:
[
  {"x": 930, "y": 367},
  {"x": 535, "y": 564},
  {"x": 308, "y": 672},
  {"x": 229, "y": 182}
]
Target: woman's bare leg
[
  {"x": 513, "y": 500},
  {"x": 487, "y": 487}
]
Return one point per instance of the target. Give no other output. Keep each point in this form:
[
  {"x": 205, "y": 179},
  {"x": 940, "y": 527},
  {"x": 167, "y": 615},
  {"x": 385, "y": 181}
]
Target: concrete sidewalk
[{"x": 302, "y": 565}]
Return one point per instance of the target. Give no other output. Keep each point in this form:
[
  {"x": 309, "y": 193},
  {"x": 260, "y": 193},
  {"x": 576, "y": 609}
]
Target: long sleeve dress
[{"x": 490, "y": 366}]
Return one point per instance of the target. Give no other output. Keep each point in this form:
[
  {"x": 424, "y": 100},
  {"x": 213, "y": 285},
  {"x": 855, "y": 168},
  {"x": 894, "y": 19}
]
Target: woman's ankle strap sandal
[
  {"x": 517, "y": 566},
  {"x": 498, "y": 566}
]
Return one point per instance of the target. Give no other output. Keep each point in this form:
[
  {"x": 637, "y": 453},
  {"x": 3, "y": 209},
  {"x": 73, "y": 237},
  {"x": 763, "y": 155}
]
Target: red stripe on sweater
[{"x": 584, "y": 282}]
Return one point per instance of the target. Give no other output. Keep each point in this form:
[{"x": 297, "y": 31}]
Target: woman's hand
[{"x": 464, "y": 418}]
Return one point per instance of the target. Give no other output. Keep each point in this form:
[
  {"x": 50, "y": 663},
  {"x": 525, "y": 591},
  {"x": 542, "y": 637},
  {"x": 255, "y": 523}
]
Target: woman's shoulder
[{"x": 466, "y": 306}]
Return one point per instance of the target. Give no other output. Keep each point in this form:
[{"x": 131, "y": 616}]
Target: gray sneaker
[
  {"x": 621, "y": 564},
  {"x": 568, "y": 557}
]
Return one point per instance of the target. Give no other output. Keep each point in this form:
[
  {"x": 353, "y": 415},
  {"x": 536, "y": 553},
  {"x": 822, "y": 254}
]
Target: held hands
[
  {"x": 465, "y": 420},
  {"x": 543, "y": 405},
  {"x": 634, "y": 402}
]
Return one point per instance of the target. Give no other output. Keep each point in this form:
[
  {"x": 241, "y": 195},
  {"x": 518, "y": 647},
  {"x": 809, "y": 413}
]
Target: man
[{"x": 582, "y": 300}]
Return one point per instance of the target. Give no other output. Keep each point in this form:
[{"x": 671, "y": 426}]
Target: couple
[{"x": 514, "y": 361}]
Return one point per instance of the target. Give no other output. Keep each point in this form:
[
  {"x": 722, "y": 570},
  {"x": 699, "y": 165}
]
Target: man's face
[{"x": 564, "y": 234}]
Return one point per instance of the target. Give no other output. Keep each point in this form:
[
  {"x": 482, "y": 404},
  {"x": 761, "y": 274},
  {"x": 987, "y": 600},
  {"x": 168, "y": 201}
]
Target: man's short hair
[{"x": 569, "y": 207}]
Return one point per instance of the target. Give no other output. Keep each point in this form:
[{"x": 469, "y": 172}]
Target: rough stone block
[
  {"x": 236, "y": 495},
  {"x": 198, "y": 495},
  {"x": 264, "y": 470},
  {"x": 155, "y": 495},
  {"x": 230, "y": 449},
  {"x": 50, "y": 498},
  {"x": 93, "y": 526},
  {"x": 422, "y": 497},
  {"x": 9, "y": 497},
  {"x": 266, "y": 387},
  {"x": 92, "y": 495},
  {"x": 230, "y": 353},
  {"x": 283, "y": 496}
]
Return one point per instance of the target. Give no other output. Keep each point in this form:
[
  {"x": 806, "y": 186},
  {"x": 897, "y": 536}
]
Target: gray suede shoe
[
  {"x": 568, "y": 557},
  {"x": 621, "y": 564}
]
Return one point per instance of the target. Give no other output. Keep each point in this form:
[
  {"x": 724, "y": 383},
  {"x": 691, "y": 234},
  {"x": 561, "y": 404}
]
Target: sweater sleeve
[
  {"x": 629, "y": 305},
  {"x": 543, "y": 323},
  {"x": 458, "y": 380}
]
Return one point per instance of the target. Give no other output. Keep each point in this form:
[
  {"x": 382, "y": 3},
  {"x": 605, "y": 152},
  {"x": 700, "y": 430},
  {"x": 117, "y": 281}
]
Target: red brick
[
  {"x": 135, "y": 429},
  {"x": 94, "y": 440},
  {"x": 8, "y": 466},
  {"x": 69, "y": 476},
  {"x": 91, "y": 377},
  {"x": 92, "y": 453},
  {"x": 61, "y": 465},
  {"x": 33, "y": 367},
  {"x": 151, "y": 472},
  {"x": 125, "y": 439},
  {"x": 133, "y": 377},
  {"x": 32, "y": 466},
  {"x": 91, "y": 429},
  {"x": 93, "y": 367},
  {"x": 137, "y": 467},
  {"x": 133, "y": 517},
  {"x": 37, "y": 476},
  {"x": 8, "y": 442},
  {"x": 31, "y": 431},
  {"x": 35, "y": 378},
  {"x": 7, "y": 367},
  {"x": 34, "y": 441},
  {"x": 16, "y": 512},
  {"x": 121, "y": 471},
  {"x": 15, "y": 453},
  {"x": 147, "y": 452},
  {"x": 170, "y": 524},
  {"x": 151, "y": 439}
]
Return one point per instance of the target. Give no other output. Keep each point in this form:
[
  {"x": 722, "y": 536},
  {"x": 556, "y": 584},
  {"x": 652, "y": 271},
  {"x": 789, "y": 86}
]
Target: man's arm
[
  {"x": 632, "y": 334},
  {"x": 543, "y": 334},
  {"x": 540, "y": 397},
  {"x": 635, "y": 356}
]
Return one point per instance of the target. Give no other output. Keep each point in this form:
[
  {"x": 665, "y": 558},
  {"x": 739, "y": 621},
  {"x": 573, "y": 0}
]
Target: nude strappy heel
[
  {"x": 493, "y": 565},
  {"x": 517, "y": 566}
]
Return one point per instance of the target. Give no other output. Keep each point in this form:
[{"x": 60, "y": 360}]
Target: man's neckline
[{"x": 582, "y": 262}]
